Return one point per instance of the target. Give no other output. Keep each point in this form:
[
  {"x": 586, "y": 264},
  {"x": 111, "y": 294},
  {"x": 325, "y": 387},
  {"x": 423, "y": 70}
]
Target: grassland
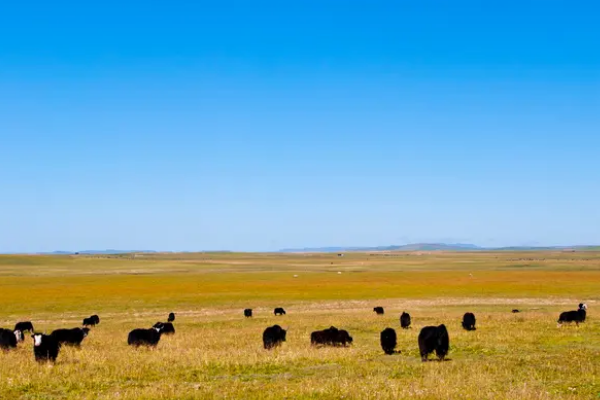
[{"x": 216, "y": 353}]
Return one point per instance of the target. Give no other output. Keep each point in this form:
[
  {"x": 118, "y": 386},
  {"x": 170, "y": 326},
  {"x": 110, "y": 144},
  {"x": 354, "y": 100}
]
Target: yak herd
[{"x": 431, "y": 338}]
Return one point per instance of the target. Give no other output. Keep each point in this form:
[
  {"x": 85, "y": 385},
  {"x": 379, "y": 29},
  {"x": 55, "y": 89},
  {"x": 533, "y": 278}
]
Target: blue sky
[{"x": 269, "y": 124}]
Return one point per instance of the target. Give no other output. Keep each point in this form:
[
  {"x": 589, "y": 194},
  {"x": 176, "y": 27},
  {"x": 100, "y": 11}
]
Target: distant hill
[
  {"x": 339, "y": 249},
  {"x": 436, "y": 247},
  {"x": 406, "y": 247},
  {"x": 109, "y": 251},
  {"x": 542, "y": 248}
]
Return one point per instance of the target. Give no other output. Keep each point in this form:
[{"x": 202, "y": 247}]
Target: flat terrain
[{"x": 217, "y": 353}]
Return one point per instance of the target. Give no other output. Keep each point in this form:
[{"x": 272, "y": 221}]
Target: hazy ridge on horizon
[
  {"x": 337, "y": 249},
  {"x": 435, "y": 247}
]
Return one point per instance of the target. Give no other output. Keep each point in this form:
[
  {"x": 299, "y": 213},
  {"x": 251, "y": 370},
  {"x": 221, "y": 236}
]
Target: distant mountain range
[
  {"x": 339, "y": 249},
  {"x": 433, "y": 247},
  {"x": 110, "y": 251}
]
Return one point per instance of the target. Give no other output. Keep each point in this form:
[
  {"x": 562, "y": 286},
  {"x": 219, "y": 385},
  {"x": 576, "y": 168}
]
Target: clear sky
[{"x": 260, "y": 125}]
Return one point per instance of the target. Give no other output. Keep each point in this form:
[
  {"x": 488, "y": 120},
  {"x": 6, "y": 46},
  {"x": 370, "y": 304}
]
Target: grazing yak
[
  {"x": 573, "y": 316},
  {"x": 388, "y": 341},
  {"x": 515, "y": 311},
  {"x": 273, "y": 336},
  {"x": 323, "y": 337},
  {"x": 405, "y": 320},
  {"x": 248, "y": 312},
  {"x": 70, "y": 337},
  {"x": 25, "y": 326},
  {"x": 9, "y": 339},
  {"x": 91, "y": 321},
  {"x": 378, "y": 310},
  {"x": 171, "y": 317},
  {"x": 434, "y": 338},
  {"x": 326, "y": 336},
  {"x": 343, "y": 338},
  {"x": 45, "y": 347},
  {"x": 279, "y": 311},
  {"x": 144, "y": 337},
  {"x": 167, "y": 328},
  {"x": 468, "y": 322},
  {"x": 331, "y": 337}
]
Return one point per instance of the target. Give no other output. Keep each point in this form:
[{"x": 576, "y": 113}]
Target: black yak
[
  {"x": 331, "y": 336},
  {"x": 388, "y": 340},
  {"x": 70, "y": 337},
  {"x": 378, "y": 310},
  {"x": 248, "y": 312},
  {"x": 324, "y": 337},
  {"x": 279, "y": 311},
  {"x": 273, "y": 336},
  {"x": 405, "y": 320},
  {"x": 515, "y": 311},
  {"x": 573, "y": 316},
  {"x": 434, "y": 338},
  {"x": 9, "y": 339},
  {"x": 468, "y": 322},
  {"x": 45, "y": 347},
  {"x": 144, "y": 337},
  {"x": 321, "y": 337},
  {"x": 91, "y": 321},
  {"x": 343, "y": 338},
  {"x": 167, "y": 328},
  {"x": 25, "y": 326},
  {"x": 171, "y": 317}
]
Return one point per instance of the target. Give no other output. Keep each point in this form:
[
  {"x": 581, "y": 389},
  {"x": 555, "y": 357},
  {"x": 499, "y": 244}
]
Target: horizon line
[{"x": 465, "y": 247}]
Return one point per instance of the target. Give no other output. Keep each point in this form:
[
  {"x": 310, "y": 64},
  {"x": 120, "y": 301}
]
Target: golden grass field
[{"x": 217, "y": 353}]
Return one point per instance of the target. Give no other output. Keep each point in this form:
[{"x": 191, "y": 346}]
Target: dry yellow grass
[{"x": 216, "y": 353}]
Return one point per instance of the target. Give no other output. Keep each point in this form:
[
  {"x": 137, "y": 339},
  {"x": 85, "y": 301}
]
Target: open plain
[{"x": 217, "y": 353}]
